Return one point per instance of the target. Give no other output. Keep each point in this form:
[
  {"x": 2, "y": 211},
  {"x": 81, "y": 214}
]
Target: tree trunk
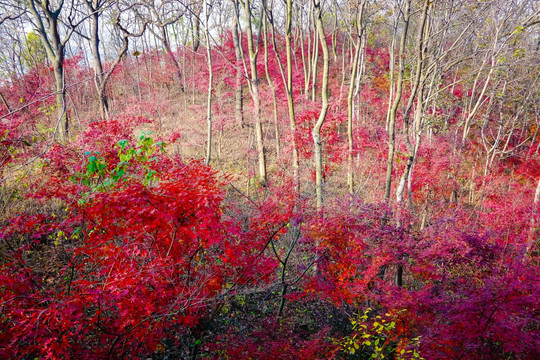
[
  {"x": 210, "y": 84},
  {"x": 4, "y": 101},
  {"x": 354, "y": 73},
  {"x": 316, "y": 132},
  {"x": 55, "y": 49},
  {"x": 272, "y": 88},
  {"x": 395, "y": 104},
  {"x": 290, "y": 96},
  {"x": 287, "y": 80},
  {"x": 532, "y": 243},
  {"x": 196, "y": 31},
  {"x": 168, "y": 51},
  {"x": 63, "y": 122},
  {"x": 238, "y": 93},
  {"x": 97, "y": 63},
  {"x": 418, "y": 89},
  {"x": 315, "y": 63},
  {"x": 391, "y": 51},
  {"x": 254, "y": 88}
]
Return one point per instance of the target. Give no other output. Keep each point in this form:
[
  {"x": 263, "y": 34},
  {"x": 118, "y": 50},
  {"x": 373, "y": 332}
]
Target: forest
[{"x": 270, "y": 179}]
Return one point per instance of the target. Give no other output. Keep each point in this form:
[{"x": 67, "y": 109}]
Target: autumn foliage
[{"x": 122, "y": 243}]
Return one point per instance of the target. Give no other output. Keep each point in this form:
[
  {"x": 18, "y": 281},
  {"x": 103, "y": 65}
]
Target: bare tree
[
  {"x": 46, "y": 19},
  {"x": 253, "y": 49},
  {"x": 270, "y": 81},
  {"x": 394, "y": 104},
  {"x": 287, "y": 78},
  {"x": 195, "y": 7},
  {"x": 358, "y": 42},
  {"x": 316, "y": 132},
  {"x": 160, "y": 15},
  {"x": 238, "y": 54},
  {"x": 96, "y": 9},
  {"x": 206, "y": 12},
  {"x": 418, "y": 90}
]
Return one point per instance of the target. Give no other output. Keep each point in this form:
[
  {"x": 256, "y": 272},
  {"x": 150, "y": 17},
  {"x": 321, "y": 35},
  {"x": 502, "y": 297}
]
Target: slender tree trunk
[
  {"x": 350, "y": 172},
  {"x": 96, "y": 62},
  {"x": 315, "y": 63},
  {"x": 335, "y": 38},
  {"x": 63, "y": 121},
  {"x": 316, "y": 132},
  {"x": 418, "y": 89},
  {"x": 238, "y": 93},
  {"x": 290, "y": 96},
  {"x": 395, "y": 104},
  {"x": 4, "y": 101},
  {"x": 391, "y": 51},
  {"x": 309, "y": 60},
  {"x": 305, "y": 60},
  {"x": 168, "y": 51},
  {"x": 55, "y": 49},
  {"x": 272, "y": 88},
  {"x": 358, "y": 49},
  {"x": 255, "y": 92},
  {"x": 210, "y": 85},
  {"x": 532, "y": 243},
  {"x": 195, "y": 31},
  {"x": 287, "y": 80}
]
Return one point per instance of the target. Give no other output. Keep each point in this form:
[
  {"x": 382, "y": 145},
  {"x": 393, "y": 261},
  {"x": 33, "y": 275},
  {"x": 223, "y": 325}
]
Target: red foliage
[
  {"x": 133, "y": 260},
  {"x": 130, "y": 252}
]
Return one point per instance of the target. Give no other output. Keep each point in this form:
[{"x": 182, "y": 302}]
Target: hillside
[{"x": 270, "y": 180}]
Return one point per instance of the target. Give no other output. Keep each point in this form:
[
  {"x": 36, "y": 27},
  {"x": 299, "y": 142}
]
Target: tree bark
[
  {"x": 395, "y": 104},
  {"x": 238, "y": 91},
  {"x": 418, "y": 89},
  {"x": 287, "y": 80},
  {"x": 290, "y": 96},
  {"x": 254, "y": 88},
  {"x": 168, "y": 51},
  {"x": 55, "y": 49},
  {"x": 272, "y": 88},
  {"x": 93, "y": 7},
  {"x": 210, "y": 85},
  {"x": 532, "y": 243},
  {"x": 196, "y": 29},
  {"x": 316, "y": 132},
  {"x": 354, "y": 72}
]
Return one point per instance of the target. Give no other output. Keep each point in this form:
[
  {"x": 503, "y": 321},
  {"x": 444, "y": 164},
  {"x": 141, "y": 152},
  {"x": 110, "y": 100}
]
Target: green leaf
[
  {"x": 92, "y": 168},
  {"x": 123, "y": 143}
]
